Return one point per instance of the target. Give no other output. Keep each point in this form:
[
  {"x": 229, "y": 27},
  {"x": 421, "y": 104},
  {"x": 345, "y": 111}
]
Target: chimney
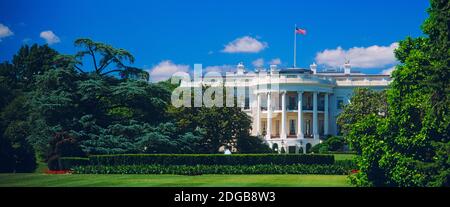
[
  {"x": 347, "y": 68},
  {"x": 273, "y": 69},
  {"x": 240, "y": 69},
  {"x": 313, "y": 68}
]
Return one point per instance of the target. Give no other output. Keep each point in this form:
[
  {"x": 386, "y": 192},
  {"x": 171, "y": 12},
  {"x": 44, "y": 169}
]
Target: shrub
[
  {"x": 321, "y": 148},
  {"x": 347, "y": 164},
  {"x": 67, "y": 163},
  {"x": 332, "y": 144},
  {"x": 210, "y": 159},
  {"x": 252, "y": 144},
  {"x": 56, "y": 163},
  {"x": 213, "y": 169},
  {"x": 53, "y": 163}
]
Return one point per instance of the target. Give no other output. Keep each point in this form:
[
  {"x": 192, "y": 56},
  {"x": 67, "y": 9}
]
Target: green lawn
[{"x": 44, "y": 180}]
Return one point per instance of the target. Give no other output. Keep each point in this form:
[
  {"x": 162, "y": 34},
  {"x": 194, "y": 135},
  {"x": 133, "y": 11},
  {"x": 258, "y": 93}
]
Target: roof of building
[{"x": 296, "y": 70}]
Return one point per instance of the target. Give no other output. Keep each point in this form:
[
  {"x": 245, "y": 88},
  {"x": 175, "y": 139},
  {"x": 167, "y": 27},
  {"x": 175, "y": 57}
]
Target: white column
[
  {"x": 269, "y": 116},
  {"x": 325, "y": 117},
  {"x": 283, "y": 115},
  {"x": 315, "y": 117},
  {"x": 300, "y": 115},
  {"x": 258, "y": 115}
]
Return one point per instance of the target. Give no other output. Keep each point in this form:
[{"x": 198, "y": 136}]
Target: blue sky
[{"x": 173, "y": 35}]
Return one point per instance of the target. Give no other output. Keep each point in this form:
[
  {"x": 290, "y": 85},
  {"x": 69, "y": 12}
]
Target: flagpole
[{"x": 295, "y": 46}]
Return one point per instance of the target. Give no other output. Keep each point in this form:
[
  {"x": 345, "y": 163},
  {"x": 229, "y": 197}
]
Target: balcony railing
[
  {"x": 294, "y": 107},
  {"x": 307, "y": 107}
]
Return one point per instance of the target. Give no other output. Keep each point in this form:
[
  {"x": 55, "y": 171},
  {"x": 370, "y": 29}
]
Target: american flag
[{"x": 300, "y": 31}]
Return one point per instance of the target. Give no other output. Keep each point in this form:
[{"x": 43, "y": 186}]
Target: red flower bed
[
  {"x": 354, "y": 171},
  {"x": 56, "y": 172}
]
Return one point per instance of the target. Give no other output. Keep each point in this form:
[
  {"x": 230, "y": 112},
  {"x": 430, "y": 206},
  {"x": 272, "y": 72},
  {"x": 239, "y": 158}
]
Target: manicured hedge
[
  {"x": 210, "y": 159},
  {"x": 195, "y": 159},
  {"x": 213, "y": 169},
  {"x": 66, "y": 163}
]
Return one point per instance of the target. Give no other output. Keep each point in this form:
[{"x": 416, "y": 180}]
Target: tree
[
  {"x": 16, "y": 80},
  {"x": 364, "y": 102},
  {"x": 410, "y": 147},
  {"x": 106, "y": 60},
  {"x": 62, "y": 145},
  {"x": 252, "y": 144},
  {"x": 30, "y": 62},
  {"x": 6, "y": 155},
  {"x": 22, "y": 152},
  {"x": 223, "y": 125}
]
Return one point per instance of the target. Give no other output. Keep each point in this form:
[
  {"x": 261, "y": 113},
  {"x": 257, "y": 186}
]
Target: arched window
[
  {"x": 275, "y": 147},
  {"x": 308, "y": 148}
]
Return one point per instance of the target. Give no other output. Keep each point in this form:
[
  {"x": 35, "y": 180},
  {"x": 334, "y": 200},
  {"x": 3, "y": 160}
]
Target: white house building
[{"x": 294, "y": 108}]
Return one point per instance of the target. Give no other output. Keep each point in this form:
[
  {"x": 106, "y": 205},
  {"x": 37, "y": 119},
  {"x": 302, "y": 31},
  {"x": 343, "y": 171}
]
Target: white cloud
[
  {"x": 245, "y": 44},
  {"x": 360, "y": 57},
  {"x": 258, "y": 63},
  {"x": 165, "y": 69},
  {"x": 276, "y": 61},
  {"x": 5, "y": 32},
  {"x": 388, "y": 71},
  {"x": 220, "y": 68},
  {"x": 50, "y": 37}
]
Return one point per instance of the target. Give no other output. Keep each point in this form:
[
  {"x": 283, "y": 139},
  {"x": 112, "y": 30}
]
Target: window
[
  {"x": 308, "y": 102},
  {"x": 277, "y": 127},
  {"x": 308, "y": 148},
  {"x": 292, "y": 103},
  {"x": 247, "y": 98},
  {"x": 308, "y": 127},
  {"x": 321, "y": 127},
  {"x": 291, "y": 149},
  {"x": 321, "y": 104},
  {"x": 264, "y": 129},
  {"x": 247, "y": 103},
  {"x": 292, "y": 127}
]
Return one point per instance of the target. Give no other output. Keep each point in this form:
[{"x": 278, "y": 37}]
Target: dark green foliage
[
  {"x": 67, "y": 163},
  {"x": 209, "y": 159},
  {"x": 44, "y": 93},
  {"x": 106, "y": 60},
  {"x": 62, "y": 145},
  {"x": 253, "y": 145},
  {"x": 16, "y": 80},
  {"x": 6, "y": 156},
  {"x": 97, "y": 110},
  {"x": 222, "y": 126},
  {"x": 321, "y": 148},
  {"x": 346, "y": 164},
  {"x": 30, "y": 62},
  {"x": 364, "y": 102},
  {"x": 332, "y": 144},
  {"x": 410, "y": 146},
  {"x": 214, "y": 169}
]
